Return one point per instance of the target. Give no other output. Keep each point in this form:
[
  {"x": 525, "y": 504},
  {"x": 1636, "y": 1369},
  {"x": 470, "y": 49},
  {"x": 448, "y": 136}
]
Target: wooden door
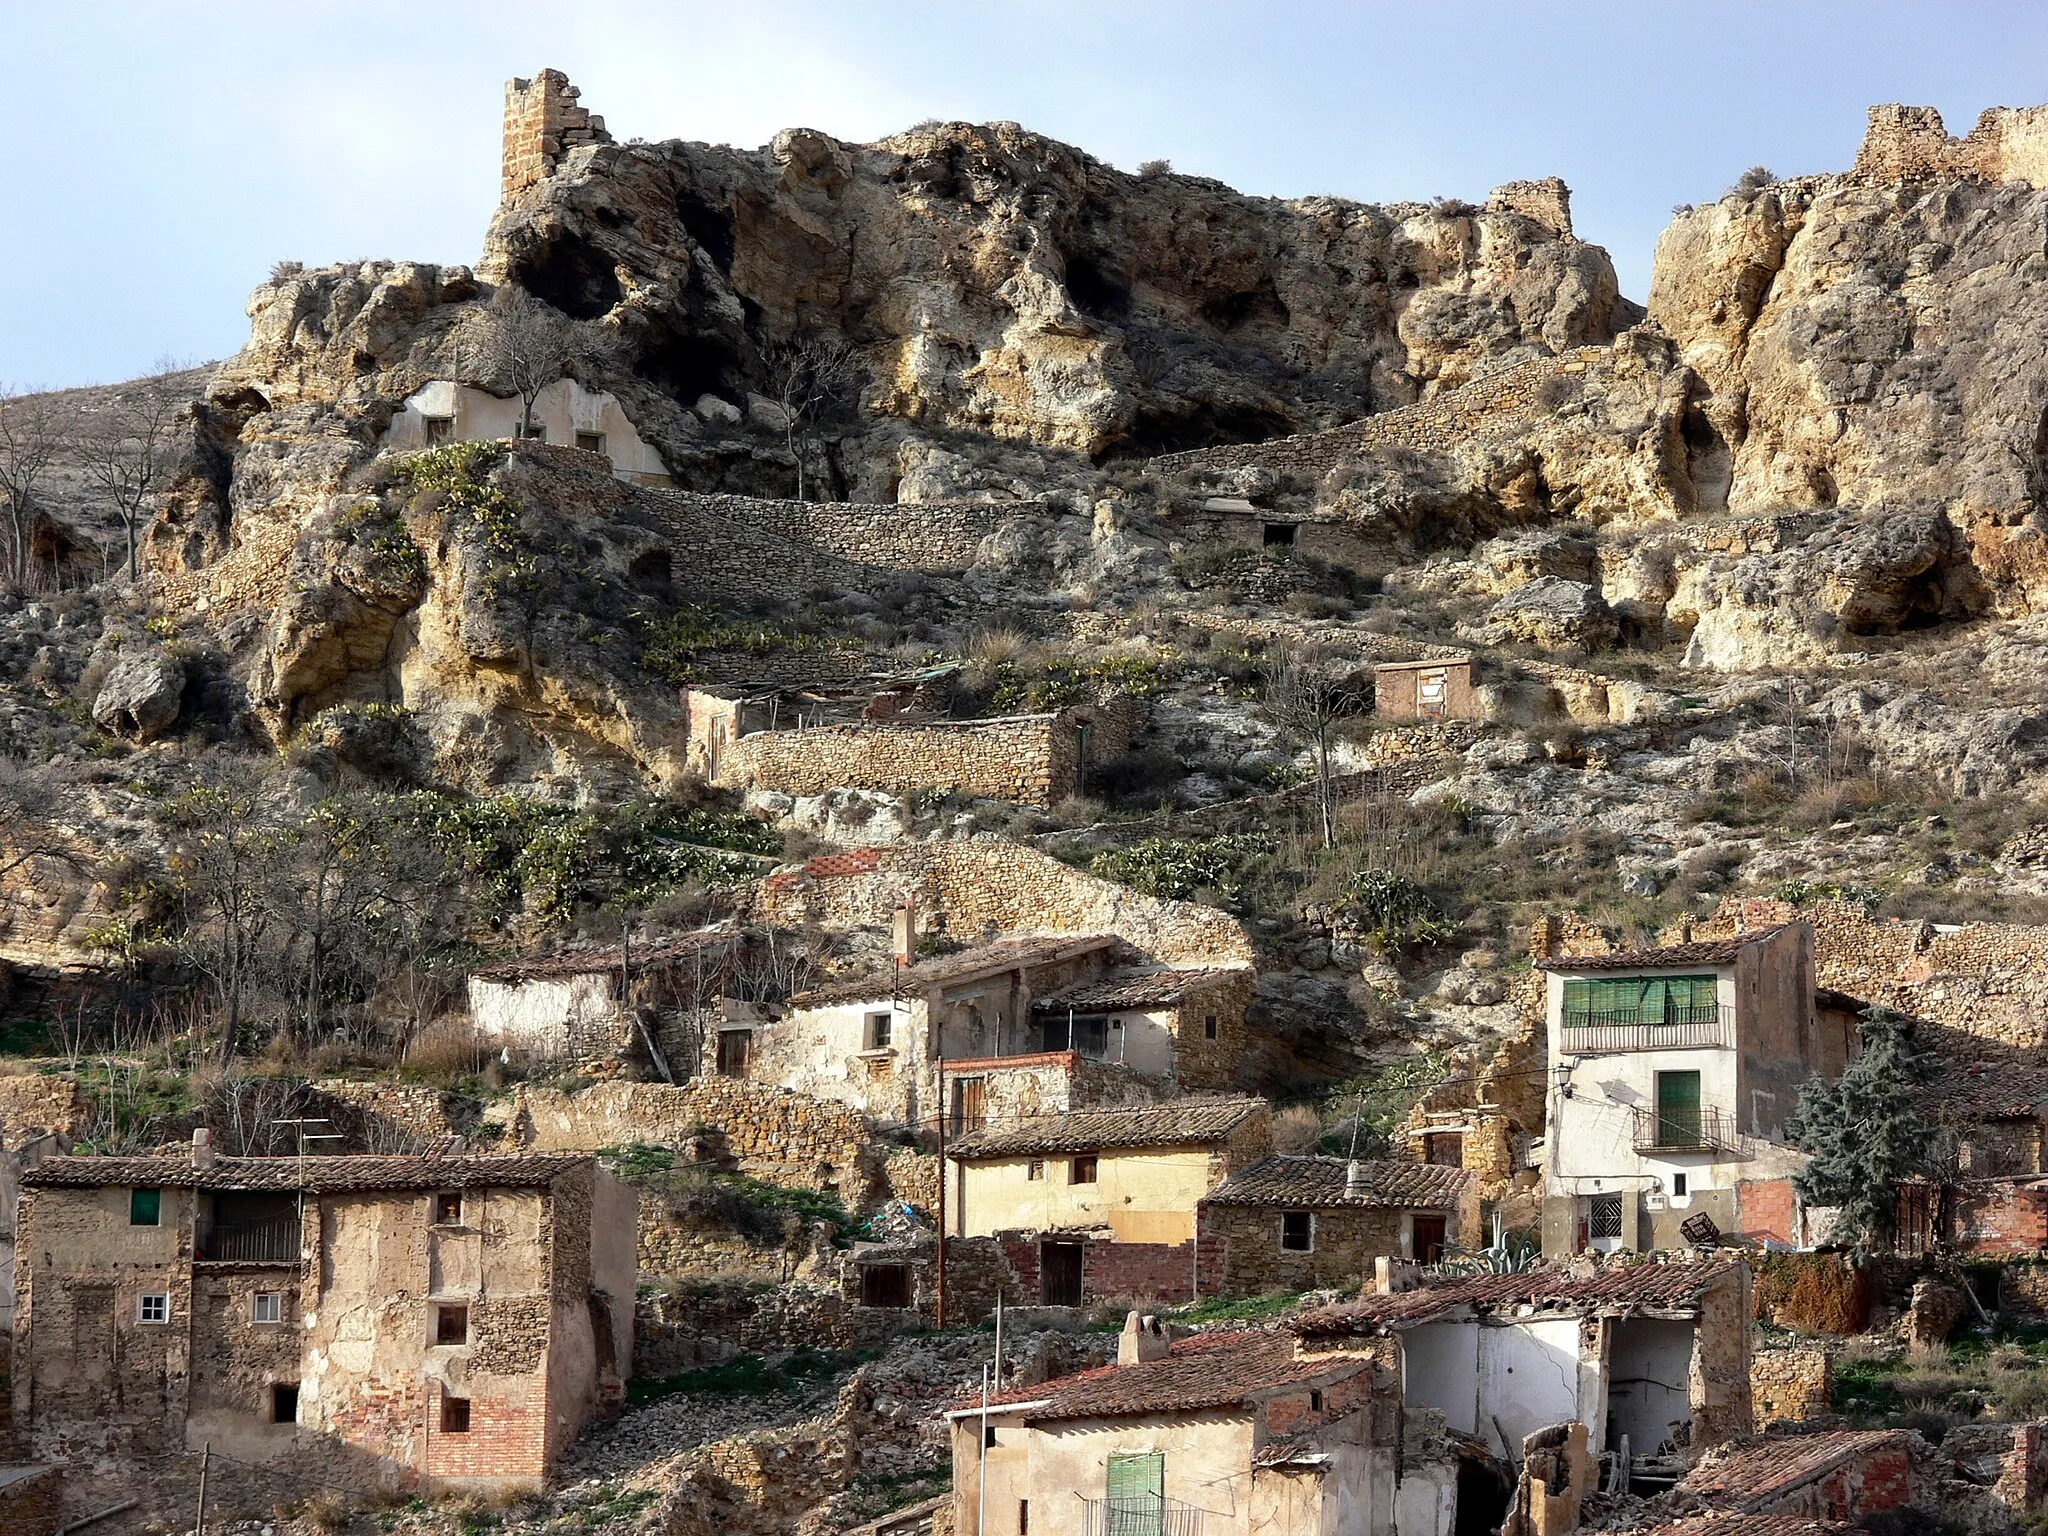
[
  {"x": 970, "y": 1104},
  {"x": 1429, "y": 1239},
  {"x": 1678, "y": 1109},
  {"x": 1059, "y": 1274}
]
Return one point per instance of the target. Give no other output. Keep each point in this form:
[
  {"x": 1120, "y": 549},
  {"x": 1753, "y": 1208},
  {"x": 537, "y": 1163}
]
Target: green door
[
  {"x": 1135, "y": 1495},
  {"x": 1678, "y": 1109}
]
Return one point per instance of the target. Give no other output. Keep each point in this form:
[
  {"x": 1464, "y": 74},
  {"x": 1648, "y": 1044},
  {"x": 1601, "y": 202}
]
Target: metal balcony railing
[
  {"x": 1587, "y": 1033},
  {"x": 274, "y": 1240},
  {"x": 1146, "y": 1515},
  {"x": 1690, "y": 1130}
]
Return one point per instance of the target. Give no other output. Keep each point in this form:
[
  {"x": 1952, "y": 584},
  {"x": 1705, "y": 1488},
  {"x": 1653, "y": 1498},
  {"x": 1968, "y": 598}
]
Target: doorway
[
  {"x": 1059, "y": 1274},
  {"x": 1429, "y": 1239}
]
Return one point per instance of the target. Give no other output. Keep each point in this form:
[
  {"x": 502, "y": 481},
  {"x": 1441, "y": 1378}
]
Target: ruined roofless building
[{"x": 403, "y": 1322}]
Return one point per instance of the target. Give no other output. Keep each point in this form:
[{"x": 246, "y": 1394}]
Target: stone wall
[
  {"x": 542, "y": 123},
  {"x": 982, "y": 888},
  {"x": 1791, "y": 1383},
  {"x": 1243, "y": 1243},
  {"x": 1906, "y": 144},
  {"x": 382, "y": 1116},
  {"x": 30, "y": 1500},
  {"x": 747, "y": 543}
]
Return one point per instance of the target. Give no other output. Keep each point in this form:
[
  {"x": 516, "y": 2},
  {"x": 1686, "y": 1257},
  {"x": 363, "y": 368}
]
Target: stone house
[
  {"x": 1312, "y": 1223},
  {"x": 631, "y": 999},
  {"x": 404, "y": 1322},
  {"x": 1239, "y": 522},
  {"x": 564, "y": 413},
  {"x": 1104, "y": 1202},
  {"x": 1221, "y": 1434},
  {"x": 1440, "y": 688},
  {"x": 1674, "y": 1071},
  {"x": 1656, "y": 1353}
]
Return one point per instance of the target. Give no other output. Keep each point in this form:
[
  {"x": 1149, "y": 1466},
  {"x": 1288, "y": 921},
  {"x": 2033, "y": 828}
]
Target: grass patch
[
  {"x": 1249, "y": 1309},
  {"x": 746, "y": 1376},
  {"x": 714, "y": 1197}
]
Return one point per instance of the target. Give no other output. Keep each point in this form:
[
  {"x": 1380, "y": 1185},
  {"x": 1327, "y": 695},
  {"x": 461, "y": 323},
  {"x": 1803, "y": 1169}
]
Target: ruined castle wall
[
  {"x": 543, "y": 123},
  {"x": 1906, "y": 144}
]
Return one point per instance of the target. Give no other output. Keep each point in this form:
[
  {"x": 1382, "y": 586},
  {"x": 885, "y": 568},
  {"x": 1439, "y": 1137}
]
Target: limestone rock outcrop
[{"x": 141, "y": 696}]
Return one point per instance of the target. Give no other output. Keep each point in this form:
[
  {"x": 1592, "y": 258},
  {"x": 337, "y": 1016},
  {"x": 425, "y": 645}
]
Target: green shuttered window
[{"x": 1640, "y": 1000}]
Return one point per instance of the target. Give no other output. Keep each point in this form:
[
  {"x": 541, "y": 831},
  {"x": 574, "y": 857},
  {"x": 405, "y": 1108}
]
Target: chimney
[
  {"x": 905, "y": 930},
  {"x": 1355, "y": 1182},
  {"x": 202, "y": 1148},
  {"x": 1143, "y": 1339}
]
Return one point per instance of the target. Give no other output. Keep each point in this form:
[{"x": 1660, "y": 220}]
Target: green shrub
[
  {"x": 1182, "y": 867},
  {"x": 1395, "y": 912}
]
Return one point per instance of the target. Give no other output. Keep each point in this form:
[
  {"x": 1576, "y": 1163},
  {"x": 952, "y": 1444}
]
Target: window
[
  {"x": 155, "y": 1308},
  {"x": 1082, "y": 1171},
  {"x": 145, "y": 1207},
  {"x": 451, "y": 1325},
  {"x": 1678, "y": 1186},
  {"x": 1297, "y": 1231},
  {"x": 1209, "y": 1026},
  {"x": 1315, "y": 1400},
  {"x": 970, "y": 1104},
  {"x": 266, "y": 1307},
  {"x": 454, "y": 1415},
  {"x": 440, "y": 428},
  {"x": 1641, "y": 1000},
  {"x": 1446, "y": 1149},
  {"x": 537, "y": 433},
  {"x": 1603, "y": 1217},
  {"x": 878, "y": 1031},
  {"x": 1023, "y": 1517},
  {"x": 1036, "y": 1169},
  {"x": 733, "y": 1048},
  {"x": 1086, "y": 1034},
  {"x": 284, "y": 1402},
  {"x": 1279, "y": 535},
  {"x": 988, "y": 1436},
  {"x": 448, "y": 1208},
  {"x": 1135, "y": 1491},
  {"x": 885, "y": 1285},
  {"x": 590, "y": 442},
  {"x": 1678, "y": 1109}
]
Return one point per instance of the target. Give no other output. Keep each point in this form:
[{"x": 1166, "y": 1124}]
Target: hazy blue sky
[{"x": 160, "y": 155}]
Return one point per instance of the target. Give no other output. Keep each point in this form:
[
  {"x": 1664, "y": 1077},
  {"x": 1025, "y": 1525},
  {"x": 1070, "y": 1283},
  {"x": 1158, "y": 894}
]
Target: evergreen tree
[{"x": 1866, "y": 1133}]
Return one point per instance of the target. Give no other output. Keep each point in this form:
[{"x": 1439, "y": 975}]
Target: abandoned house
[
  {"x": 636, "y": 999},
  {"x": 886, "y": 738},
  {"x": 408, "y": 1322},
  {"x": 1312, "y": 1223},
  {"x": 1652, "y": 1358},
  {"x": 1104, "y": 1202},
  {"x": 1673, "y": 1072},
  {"x": 1219, "y": 1433},
  {"x": 1237, "y": 522},
  {"x": 564, "y": 413},
  {"x": 1438, "y": 689}
]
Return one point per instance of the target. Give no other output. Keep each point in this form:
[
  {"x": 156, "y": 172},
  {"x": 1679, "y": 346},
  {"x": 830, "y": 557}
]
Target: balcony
[
  {"x": 272, "y": 1240},
  {"x": 1586, "y": 1033},
  {"x": 1145, "y": 1515},
  {"x": 1690, "y": 1130}
]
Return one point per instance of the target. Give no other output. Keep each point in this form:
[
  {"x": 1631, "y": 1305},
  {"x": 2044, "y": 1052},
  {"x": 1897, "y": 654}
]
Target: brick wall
[
  {"x": 1110, "y": 1271},
  {"x": 1999, "y": 1218},
  {"x": 506, "y": 1440},
  {"x": 543, "y": 123},
  {"x": 29, "y": 1506},
  {"x": 1791, "y": 1384},
  {"x": 1768, "y": 1208}
]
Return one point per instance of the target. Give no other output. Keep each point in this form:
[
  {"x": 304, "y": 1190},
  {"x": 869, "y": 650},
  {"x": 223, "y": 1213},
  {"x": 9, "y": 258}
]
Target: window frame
[
  {"x": 1090, "y": 1162},
  {"x": 591, "y": 442},
  {"x": 256, "y": 1301},
  {"x": 153, "y": 1198},
  {"x": 877, "y": 1030},
  {"x": 443, "y": 1311},
  {"x": 436, "y": 430},
  {"x": 1308, "y": 1246},
  {"x": 1211, "y": 1026},
  {"x": 450, "y": 1412},
  {"x": 1034, "y": 1171},
  {"x": 277, "y": 1402},
  {"x": 441, "y": 1199},
  {"x": 142, "y": 1309}
]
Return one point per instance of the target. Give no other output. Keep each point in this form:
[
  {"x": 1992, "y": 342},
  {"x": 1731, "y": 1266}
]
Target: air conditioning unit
[{"x": 1654, "y": 1202}]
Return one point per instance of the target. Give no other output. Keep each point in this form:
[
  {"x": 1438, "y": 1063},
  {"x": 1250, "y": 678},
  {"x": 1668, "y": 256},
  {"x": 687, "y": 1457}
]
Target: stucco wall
[
  {"x": 562, "y": 410},
  {"x": 1143, "y": 1195}
]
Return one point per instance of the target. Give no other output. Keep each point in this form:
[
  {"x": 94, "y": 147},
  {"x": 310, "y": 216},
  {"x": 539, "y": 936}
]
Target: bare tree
[
  {"x": 1310, "y": 698},
  {"x": 29, "y": 441},
  {"x": 126, "y": 450},
  {"x": 808, "y": 377},
  {"x": 524, "y": 345}
]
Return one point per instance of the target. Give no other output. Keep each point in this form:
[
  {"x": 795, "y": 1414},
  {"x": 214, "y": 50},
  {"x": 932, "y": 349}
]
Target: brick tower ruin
[{"x": 543, "y": 123}]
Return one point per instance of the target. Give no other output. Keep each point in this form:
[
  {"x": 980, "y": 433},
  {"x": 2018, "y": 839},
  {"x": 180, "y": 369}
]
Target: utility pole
[
  {"x": 941, "y": 1286},
  {"x": 199, "y": 1520}
]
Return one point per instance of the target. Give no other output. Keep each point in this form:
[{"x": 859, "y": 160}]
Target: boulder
[
  {"x": 141, "y": 696},
  {"x": 1549, "y": 611}
]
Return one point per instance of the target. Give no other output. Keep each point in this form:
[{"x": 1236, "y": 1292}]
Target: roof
[
  {"x": 962, "y": 965},
  {"x": 1705, "y": 952},
  {"x": 312, "y": 1174},
  {"x": 1752, "y": 1473},
  {"x": 1138, "y": 989},
  {"x": 1732, "y": 1524},
  {"x": 1620, "y": 1288},
  {"x": 597, "y": 959},
  {"x": 1427, "y": 661},
  {"x": 827, "y": 866},
  {"x": 1176, "y": 1123},
  {"x": 1208, "y": 1370},
  {"x": 1325, "y": 1182}
]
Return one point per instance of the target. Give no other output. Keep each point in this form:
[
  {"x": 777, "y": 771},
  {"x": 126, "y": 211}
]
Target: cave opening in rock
[{"x": 572, "y": 275}]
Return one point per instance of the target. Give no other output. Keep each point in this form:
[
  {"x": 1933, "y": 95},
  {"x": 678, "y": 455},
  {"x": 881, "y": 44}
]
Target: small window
[
  {"x": 1603, "y": 1217},
  {"x": 154, "y": 1308},
  {"x": 1209, "y": 1026},
  {"x": 885, "y": 1285},
  {"x": 145, "y": 1207},
  {"x": 734, "y": 1046},
  {"x": 448, "y": 1208},
  {"x": 1082, "y": 1171},
  {"x": 454, "y": 1415},
  {"x": 1023, "y": 1517},
  {"x": 284, "y": 1402},
  {"x": 451, "y": 1325},
  {"x": 878, "y": 1031},
  {"x": 1279, "y": 535},
  {"x": 1297, "y": 1231},
  {"x": 440, "y": 428},
  {"x": 537, "y": 433},
  {"x": 590, "y": 442},
  {"x": 1678, "y": 1184},
  {"x": 266, "y": 1307},
  {"x": 1315, "y": 1400},
  {"x": 1446, "y": 1149},
  {"x": 1036, "y": 1170},
  {"x": 988, "y": 1435}
]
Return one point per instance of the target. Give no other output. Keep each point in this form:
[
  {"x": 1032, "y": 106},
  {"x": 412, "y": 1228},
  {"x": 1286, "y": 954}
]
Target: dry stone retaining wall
[
  {"x": 1791, "y": 1384},
  {"x": 827, "y": 536}
]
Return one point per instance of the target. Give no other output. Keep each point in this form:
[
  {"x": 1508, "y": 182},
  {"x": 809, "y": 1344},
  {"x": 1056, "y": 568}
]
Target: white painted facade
[
  {"x": 545, "y": 1013},
  {"x": 565, "y": 414}
]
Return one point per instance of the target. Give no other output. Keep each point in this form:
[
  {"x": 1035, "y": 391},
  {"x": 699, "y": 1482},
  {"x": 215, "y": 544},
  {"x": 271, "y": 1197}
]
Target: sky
[{"x": 162, "y": 154}]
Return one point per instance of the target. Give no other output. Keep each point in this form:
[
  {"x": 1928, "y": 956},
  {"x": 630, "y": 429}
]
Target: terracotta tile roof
[
  {"x": 1750, "y": 1474},
  {"x": 855, "y": 861},
  {"x": 321, "y": 1175},
  {"x": 1209, "y": 1370},
  {"x": 1705, "y": 952},
  {"x": 596, "y": 959},
  {"x": 1620, "y": 1288},
  {"x": 962, "y": 965},
  {"x": 1994, "y": 1087},
  {"x": 1742, "y": 1525},
  {"x": 1189, "y": 1122},
  {"x": 1324, "y": 1182},
  {"x": 1137, "y": 989}
]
